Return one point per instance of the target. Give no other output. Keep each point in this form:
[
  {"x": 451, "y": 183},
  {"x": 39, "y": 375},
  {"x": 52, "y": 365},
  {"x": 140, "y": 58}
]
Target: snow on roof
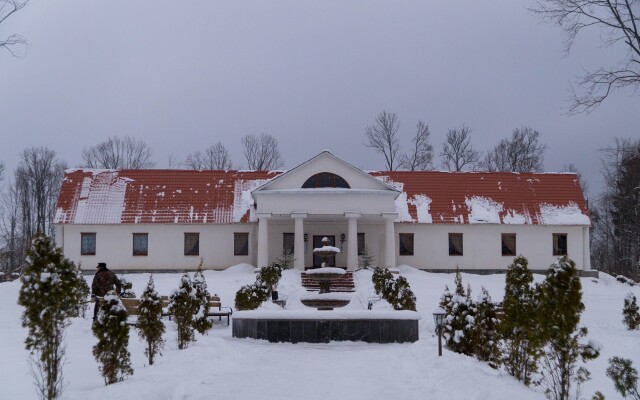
[{"x": 206, "y": 197}]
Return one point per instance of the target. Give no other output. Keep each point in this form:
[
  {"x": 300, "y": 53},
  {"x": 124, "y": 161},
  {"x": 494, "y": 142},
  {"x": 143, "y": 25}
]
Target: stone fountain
[{"x": 325, "y": 299}]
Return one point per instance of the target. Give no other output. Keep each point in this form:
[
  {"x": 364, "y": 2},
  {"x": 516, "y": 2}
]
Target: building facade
[{"x": 174, "y": 220}]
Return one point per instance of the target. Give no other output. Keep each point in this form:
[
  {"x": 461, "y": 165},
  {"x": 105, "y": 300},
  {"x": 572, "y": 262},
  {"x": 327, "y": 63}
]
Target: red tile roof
[{"x": 181, "y": 196}]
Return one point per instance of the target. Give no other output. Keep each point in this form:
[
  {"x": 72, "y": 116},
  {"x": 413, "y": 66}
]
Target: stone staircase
[{"x": 342, "y": 284}]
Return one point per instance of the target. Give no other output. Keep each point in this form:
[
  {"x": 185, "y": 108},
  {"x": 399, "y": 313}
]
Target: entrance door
[{"x": 317, "y": 242}]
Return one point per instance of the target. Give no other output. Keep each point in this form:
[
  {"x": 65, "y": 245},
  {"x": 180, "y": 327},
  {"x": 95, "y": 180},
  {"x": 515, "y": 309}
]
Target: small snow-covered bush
[
  {"x": 112, "y": 331},
  {"x": 250, "y": 297},
  {"x": 127, "y": 288},
  {"x": 396, "y": 292},
  {"x": 181, "y": 306},
  {"x": 624, "y": 279},
  {"x": 366, "y": 260},
  {"x": 201, "y": 297},
  {"x": 286, "y": 260},
  {"x": 459, "y": 326},
  {"x": 630, "y": 312},
  {"x": 150, "y": 325},
  {"x": 486, "y": 334}
]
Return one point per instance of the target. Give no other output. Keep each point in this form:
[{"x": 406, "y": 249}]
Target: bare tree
[
  {"x": 14, "y": 43},
  {"x": 421, "y": 155},
  {"x": 457, "y": 151},
  {"x": 618, "y": 22},
  {"x": 583, "y": 183},
  {"x": 117, "y": 153},
  {"x": 522, "y": 152},
  {"x": 13, "y": 244},
  {"x": 381, "y": 136},
  {"x": 38, "y": 180},
  {"x": 261, "y": 152},
  {"x": 215, "y": 157}
]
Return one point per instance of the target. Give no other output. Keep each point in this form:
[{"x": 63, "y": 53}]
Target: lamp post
[{"x": 438, "y": 318}]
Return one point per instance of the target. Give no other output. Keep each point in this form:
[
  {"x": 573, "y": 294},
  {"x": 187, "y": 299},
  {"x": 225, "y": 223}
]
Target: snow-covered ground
[{"x": 220, "y": 367}]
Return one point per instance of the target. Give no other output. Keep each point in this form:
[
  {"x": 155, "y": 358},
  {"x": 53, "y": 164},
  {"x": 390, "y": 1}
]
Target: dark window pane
[
  {"x": 140, "y": 244},
  {"x": 191, "y": 244},
  {"x": 455, "y": 244},
  {"x": 508, "y": 244},
  {"x": 360, "y": 244},
  {"x": 88, "y": 244},
  {"x": 406, "y": 244},
  {"x": 559, "y": 244},
  {"x": 288, "y": 242},
  {"x": 240, "y": 244},
  {"x": 325, "y": 179}
]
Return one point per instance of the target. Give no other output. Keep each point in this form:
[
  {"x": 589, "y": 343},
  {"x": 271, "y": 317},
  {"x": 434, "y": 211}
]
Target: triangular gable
[{"x": 325, "y": 162}]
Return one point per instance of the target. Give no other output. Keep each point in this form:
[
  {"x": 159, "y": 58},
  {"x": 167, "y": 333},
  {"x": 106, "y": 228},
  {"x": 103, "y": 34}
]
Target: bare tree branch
[
  {"x": 216, "y": 157},
  {"x": 261, "y": 152},
  {"x": 14, "y": 44},
  {"x": 421, "y": 155},
  {"x": 116, "y": 153},
  {"x": 618, "y": 21},
  {"x": 381, "y": 136},
  {"x": 523, "y": 152},
  {"x": 457, "y": 151}
]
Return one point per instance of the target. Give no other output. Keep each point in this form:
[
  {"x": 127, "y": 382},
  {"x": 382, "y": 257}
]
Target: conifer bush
[
  {"x": 396, "y": 292},
  {"x": 250, "y": 297},
  {"x": 631, "y": 316},
  {"x": 150, "y": 326},
  {"x": 486, "y": 333},
  {"x": 127, "y": 288},
  {"x": 84, "y": 291},
  {"x": 519, "y": 327},
  {"x": 459, "y": 326},
  {"x": 286, "y": 260},
  {"x": 560, "y": 308},
  {"x": 51, "y": 292},
  {"x": 201, "y": 297},
  {"x": 181, "y": 306},
  {"x": 366, "y": 260},
  {"x": 624, "y": 376},
  {"x": 112, "y": 331}
]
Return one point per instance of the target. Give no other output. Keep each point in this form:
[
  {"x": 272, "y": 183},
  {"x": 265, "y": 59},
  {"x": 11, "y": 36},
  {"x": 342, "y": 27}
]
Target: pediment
[{"x": 325, "y": 162}]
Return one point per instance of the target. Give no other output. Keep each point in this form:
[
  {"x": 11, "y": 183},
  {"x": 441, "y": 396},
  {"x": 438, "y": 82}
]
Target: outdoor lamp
[{"x": 438, "y": 317}]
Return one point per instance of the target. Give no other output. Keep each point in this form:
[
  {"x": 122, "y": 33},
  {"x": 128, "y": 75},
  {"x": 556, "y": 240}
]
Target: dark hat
[{"x": 102, "y": 265}]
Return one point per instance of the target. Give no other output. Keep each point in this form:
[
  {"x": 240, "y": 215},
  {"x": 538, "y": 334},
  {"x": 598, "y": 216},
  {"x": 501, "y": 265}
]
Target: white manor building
[{"x": 142, "y": 220}]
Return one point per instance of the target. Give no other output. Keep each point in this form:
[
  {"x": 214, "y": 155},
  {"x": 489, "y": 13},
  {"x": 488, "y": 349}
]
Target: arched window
[{"x": 326, "y": 180}]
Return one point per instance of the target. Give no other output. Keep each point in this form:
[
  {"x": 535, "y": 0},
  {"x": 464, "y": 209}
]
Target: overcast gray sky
[{"x": 182, "y": 75}]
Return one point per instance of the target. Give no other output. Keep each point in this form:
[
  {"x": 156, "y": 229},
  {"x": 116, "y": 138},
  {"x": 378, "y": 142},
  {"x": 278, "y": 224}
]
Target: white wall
[
  {"x": 483, "y": 246},
  {"x": 114, "y": 245}
]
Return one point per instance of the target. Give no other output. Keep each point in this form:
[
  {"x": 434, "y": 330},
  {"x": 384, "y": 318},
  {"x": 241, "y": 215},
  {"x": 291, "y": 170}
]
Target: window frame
[
  {"x": 515, "y": 244},
  {"x": 146, "y": 249},
  {"x": 197, "y": 245},
  {"x": 403, "y": 250},
  {"x": 82, "y": 243},
  {"x": 245, "y": 249},
  {"x": 452, "y": 245},
  {"x": 555, "y": 244}
]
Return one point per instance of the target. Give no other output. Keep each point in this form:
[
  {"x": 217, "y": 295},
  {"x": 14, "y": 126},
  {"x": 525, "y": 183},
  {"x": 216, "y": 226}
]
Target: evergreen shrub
[
  {"x": 150, "y": 326},
  {"x": 631, "y": 316},
  {"x": 201, "y": 298},
  {"x": 396, "y": 292},
  {"x": 250, "y": 297},
  {"x": 181, "y": 306}
]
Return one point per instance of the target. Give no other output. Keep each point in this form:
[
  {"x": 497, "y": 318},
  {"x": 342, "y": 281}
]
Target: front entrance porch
[{"x": 300, "y": 233}]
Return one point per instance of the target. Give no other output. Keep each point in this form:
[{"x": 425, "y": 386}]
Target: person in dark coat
[{"x": 103, "y": 281}]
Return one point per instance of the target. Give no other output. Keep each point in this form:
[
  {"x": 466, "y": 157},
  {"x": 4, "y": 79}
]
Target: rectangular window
[
  {"x": 240, "y": 244},
  {"x": 88, "y": 244},
  {"x": 287, "y": 242},
  {"x": 455, "y": 244},
  {"x": 406, "y": 244},
  {"x": 508, "y": 244},
  {"x": 559, "y": 244},
  {"x": 140, "y": 244},
  {"x": 360, "y": 244},
  {"x": 191, "y": 244}
]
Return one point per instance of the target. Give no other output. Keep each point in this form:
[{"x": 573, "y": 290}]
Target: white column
[
  {"x": 263, "y": 240},
  {"x": 352, "y": 240},
  {"x": 390, "y": 240},
  {"x": 586, "y": 251},
  {"x": 298, "y": 240}
]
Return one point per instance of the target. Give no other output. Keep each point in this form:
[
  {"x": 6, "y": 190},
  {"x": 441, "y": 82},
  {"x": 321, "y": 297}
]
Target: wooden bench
[{"x": 215, "y": 308}]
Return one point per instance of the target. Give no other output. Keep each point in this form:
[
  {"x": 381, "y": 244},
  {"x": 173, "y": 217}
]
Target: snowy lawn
[{"x": 220, "y": 367}]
